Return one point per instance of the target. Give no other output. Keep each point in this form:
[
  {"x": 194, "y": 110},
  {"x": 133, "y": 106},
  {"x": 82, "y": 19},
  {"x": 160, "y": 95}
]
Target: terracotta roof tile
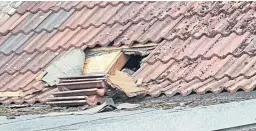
[
  {"x": 18, "y": 73},
  {"x": 124, "y": 34},
  {"x": 201, "y": 44},
  {"x": 191, "y": 59},
  {"x": 201, "y": 87},
  {"x": 119, "y": 12}
]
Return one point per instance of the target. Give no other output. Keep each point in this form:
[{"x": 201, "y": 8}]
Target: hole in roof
[{"x": 133, "y": 64}]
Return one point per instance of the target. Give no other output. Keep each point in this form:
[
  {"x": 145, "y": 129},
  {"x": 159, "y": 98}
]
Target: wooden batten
[{"x": 118, "y": 63}]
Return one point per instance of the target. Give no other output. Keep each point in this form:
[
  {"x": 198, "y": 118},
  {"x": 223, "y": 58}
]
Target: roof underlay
[{"x": 202, "y": 46}]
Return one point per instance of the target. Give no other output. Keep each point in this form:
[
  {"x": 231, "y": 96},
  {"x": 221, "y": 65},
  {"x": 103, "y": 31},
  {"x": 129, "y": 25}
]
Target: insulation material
[
  {"x": 123, "y": 82},
  {"x": 106, "y": 62}
]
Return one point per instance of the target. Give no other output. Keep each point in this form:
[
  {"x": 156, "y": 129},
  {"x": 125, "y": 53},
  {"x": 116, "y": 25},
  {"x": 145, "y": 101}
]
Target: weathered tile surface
[{"x": 203, "y": 46}]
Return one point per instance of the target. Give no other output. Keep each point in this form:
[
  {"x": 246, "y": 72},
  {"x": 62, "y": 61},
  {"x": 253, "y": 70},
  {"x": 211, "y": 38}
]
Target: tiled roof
[
  {"x": 36, "y": 33},
  {"x": 125, "y": 23},
  {"x": 212, "y": 53}
]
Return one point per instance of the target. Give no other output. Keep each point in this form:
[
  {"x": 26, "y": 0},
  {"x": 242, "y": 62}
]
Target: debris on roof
[
  {"x": 76, "y": 90},
  {"x": 107, "y": 105},
  {"x": 81, "y": 90},
  {"x": 70, "y": 64},
  {"x": 125, "y": 83},
  {"x": 123, "y": 106}
]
